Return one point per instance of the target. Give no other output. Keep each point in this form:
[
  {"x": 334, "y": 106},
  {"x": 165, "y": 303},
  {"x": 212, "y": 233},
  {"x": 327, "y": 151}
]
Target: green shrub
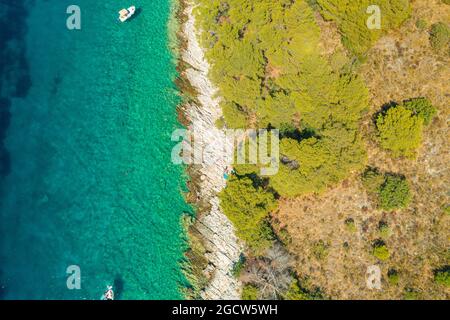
[
  {"x": 350, "y": 224},
  {"x": 320, "y": 250},
  {"x": 411, "y": 294},
  {"x": 249, "y": 292},
  {"x": 220, "y": 123},
  {"x": 390, "y": 191},
  {"x": 248, "y": 207},
  {"x": 393, "y": 277},
  {"x": 442, "y": 276},
  {"x": 421, "y": 107},
  {"x": 421, "y": 24},
  {"x": 380, "y": 251},
  {"x": 447, "y": 210},
  {"x": 284, "y": 237},
  {"x": 297, "y": 292},
  {"x": 400, "y": 126},
  {"x": 394, "y": 193},
  {"x": 372, "y": 180},
  {"x": 384, "y": 230},
  {"x": 400, "y": 131},
  {"x": 313, "y": 164},
  {"x": 238, "y": 266},
  {"x": 440, "y": 37}
]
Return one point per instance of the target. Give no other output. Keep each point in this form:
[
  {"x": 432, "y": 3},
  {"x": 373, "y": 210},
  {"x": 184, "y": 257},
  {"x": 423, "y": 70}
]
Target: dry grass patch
[{"x": 402, "y": 65}]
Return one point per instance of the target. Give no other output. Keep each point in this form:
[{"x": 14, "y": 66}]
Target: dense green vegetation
[
  {"x": 393, "y": 277},
  {"x": 446, "y": 210},
  {"x": 422, "y": 108},
  {"x": 297, "y": 292},
  {"x": 394, "y": 193},
  {"x": 421, "y": 24},
  {"x": 313, "y": 164},
  {"x": 267, "y": 64},
  {"x": 247, "y": 206},
  {"x": 372, "y": 180},
  {"x": 351, "y": 17},
  {"x": 411, "y": 294},
  {"x": 380, "y": 250},
  {"x": 390, "y": 192},
  {"x": 400, "y": 131},
  {"x": 268, "y": 67},
  {"x": 239, "y": 266},
  {"x": 266, "y": 61},
  {"x": 400, "y": 126},
  {"x": 249, "y": 292},
  {"x": 350, "y": 224},
  {"x": 440, "y": 37},
  {"x": 442, "y": 276},
  {"x": 320, "y": 249}
]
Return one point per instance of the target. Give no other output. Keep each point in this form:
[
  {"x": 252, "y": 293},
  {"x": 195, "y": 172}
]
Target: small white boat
[
  {"x": 125, "y": 14},
  {"x": 109, "y": 293}
]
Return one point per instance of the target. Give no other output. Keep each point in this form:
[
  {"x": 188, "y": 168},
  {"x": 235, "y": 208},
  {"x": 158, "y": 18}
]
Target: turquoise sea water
[{"x": 86, "y": 173}]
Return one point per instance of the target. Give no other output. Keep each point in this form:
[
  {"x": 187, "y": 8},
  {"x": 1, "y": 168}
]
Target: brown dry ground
[{"x": 400, "y": 66}]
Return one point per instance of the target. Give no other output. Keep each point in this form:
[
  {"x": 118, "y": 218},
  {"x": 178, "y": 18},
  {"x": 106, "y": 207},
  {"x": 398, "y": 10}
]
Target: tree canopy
[
  {"x": 394, "y": 193},
  {"x": 390, "y": 190},
  {"x": 421, "y": 107},
  {"x": 247, "y": 207},
  {"x": 440, "y": 37},
  {"x": 268, "y": 65},
  {"x": 400, "y": 131},
  {"x": 351, "y": 17}
]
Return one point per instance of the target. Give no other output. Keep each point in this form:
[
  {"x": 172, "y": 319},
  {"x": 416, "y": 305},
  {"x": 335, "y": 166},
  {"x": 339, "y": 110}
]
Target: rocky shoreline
[{"x": 221, "y": 245}]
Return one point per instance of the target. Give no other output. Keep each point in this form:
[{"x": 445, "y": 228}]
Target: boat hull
[{"x": 131, "y": 10}]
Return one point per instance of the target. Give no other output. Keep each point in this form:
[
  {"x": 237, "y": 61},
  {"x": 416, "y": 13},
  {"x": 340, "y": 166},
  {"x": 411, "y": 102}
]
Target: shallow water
[{"x": 86, "y": 173}]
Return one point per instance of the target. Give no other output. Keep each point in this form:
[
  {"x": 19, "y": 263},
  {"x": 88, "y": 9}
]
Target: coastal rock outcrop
[{"x": 222, "y": 245}]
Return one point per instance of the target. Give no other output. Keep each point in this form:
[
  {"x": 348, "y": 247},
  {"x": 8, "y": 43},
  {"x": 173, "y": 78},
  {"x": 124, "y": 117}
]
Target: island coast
[{"x": 211, "y": 225}]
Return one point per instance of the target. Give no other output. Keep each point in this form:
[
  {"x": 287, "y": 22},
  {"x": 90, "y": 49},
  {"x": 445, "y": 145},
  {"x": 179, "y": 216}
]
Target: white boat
[
  {"x": 125, "y": 14},
  {"x": 109, "y": 293}
]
